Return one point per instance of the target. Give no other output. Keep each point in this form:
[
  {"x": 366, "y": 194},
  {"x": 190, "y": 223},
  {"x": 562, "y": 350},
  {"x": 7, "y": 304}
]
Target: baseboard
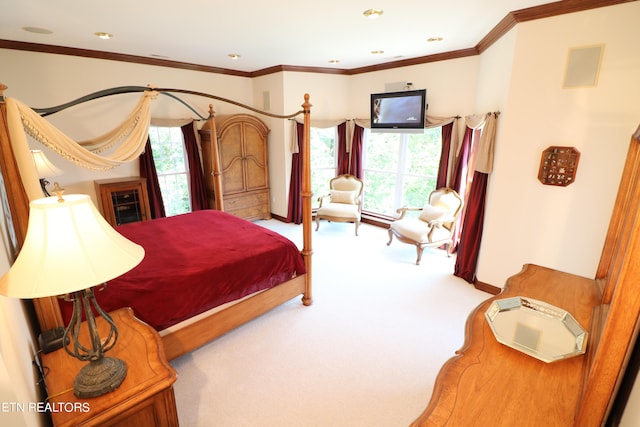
[
  {"x": 366, "y": 219},
  {"x": 279, "y": 218},
  {"x": 485, "y": 287},
  {"x": 378, "y": 221}
]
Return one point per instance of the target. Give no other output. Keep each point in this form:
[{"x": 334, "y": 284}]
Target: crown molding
[
  {"x": 540, "y": 12},
  {"x": 96, "y": 54},
  {"x": 506, "y": 24}
]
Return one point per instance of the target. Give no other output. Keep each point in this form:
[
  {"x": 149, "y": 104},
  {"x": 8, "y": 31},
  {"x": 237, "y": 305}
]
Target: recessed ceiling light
[
  {"x": 334, "y": 61},
  {"x": 155, "y": 55},
  {"x": 37, "y": 30},
  {"x": 103, "y": 35},
  {"x": 234, "y": 56},
  {"x": 377, "y": 52},
  {"x": 434, "y": 39},
  {"x": 372, "y": 13}
]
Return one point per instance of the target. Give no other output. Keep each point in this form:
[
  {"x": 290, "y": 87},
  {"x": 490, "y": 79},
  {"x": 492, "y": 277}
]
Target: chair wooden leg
[
  {"x": 317, "y": 223},
  {"x": 390, "y": 237},
  {"x": 357, "y": 225},
  {"x": 419, "y": 249}
]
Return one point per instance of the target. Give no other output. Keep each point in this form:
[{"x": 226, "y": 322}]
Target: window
[
  {"x": 323, "y": 155},
  {"x": 400, "y": 169},
  {"x": 167, "y": 144}
]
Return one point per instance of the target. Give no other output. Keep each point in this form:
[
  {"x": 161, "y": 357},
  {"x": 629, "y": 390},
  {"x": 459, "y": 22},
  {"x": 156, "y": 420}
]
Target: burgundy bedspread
[{"x": 195, "y": 262}]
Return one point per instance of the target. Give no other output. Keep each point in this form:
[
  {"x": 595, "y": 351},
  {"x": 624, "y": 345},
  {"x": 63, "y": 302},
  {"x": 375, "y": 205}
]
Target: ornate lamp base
[{"x": 99, "y": 377}]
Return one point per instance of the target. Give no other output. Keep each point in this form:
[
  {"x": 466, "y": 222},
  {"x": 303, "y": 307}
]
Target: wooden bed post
[
  {"x": 307, "y": 250},
  {"x": 215, "y": 153},
  {"x": 47, "y": 309},
  {"x": 16, "y": 194}
]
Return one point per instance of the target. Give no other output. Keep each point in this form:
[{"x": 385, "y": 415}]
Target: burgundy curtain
[
  {"x": 148, "y": 171},
  {"x": 459, "y": 179},
  {"x": 443, "y": 168},
  {"x": 356, "y": 152},
  {"x": 343, "y": 156},
  {"x": 294, "y": 213},
  {"x": 196, "y": 175},
  {"x": 471, "y": 237}
]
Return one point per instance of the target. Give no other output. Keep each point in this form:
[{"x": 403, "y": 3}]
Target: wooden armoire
[{"x": 242, "y": 145}]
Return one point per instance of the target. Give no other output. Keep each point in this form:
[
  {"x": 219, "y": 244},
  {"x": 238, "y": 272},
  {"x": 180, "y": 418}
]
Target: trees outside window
[
  {"x": 400, "y": 169},
  {"x": 167, "y": 144},
  {"x": 323, "y": 160}
]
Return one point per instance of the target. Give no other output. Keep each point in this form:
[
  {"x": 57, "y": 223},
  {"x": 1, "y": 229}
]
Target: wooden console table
[
  {"x": 145, "y": 397},
  {"x": 490, "y": 384}
]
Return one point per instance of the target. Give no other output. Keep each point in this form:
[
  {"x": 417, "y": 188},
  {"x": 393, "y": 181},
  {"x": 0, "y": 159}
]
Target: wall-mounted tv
[{"x": 399, "y": 110}]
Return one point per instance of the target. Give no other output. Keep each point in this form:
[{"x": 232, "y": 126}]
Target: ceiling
[{"x": 263, "y": 34}]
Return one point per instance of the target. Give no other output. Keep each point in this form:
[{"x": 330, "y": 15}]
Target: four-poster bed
[{"x": 191, "y": 333}]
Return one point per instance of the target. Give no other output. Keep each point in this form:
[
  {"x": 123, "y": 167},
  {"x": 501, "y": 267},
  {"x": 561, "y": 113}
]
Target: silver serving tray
[{"x": 536, "y": 328}]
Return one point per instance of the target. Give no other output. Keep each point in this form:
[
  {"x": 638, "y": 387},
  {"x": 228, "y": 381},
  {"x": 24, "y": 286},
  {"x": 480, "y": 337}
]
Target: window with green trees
[
  {"x": 323, "y": 155},
  {"x": 167, "y": 144},
  {"x": 400, "y": 169}
]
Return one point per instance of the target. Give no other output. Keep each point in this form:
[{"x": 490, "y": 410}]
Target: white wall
[
  {"x": 451, "y": 86},
  {"x": 287, "y": 90},
  {"x": 559, "y": 227},
  {"x": 18, "y": 377},
  {"x": 271, "y": 87},
  {"x": 45, "y": 80}
]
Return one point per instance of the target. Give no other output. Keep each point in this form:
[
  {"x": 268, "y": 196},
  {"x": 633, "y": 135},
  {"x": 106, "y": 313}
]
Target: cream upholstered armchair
[
  {"x": 342, "y": 204},
  {"x": 433, "y": 227}
]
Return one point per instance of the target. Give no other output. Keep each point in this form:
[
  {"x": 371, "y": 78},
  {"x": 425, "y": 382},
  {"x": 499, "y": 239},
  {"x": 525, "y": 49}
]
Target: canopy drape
[{"x": 127, "y": 141}]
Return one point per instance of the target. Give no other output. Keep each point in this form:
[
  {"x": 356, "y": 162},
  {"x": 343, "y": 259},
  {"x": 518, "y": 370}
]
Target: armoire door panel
[
  {"x": 233, "y": 175},
  {"x": 256, "y": 177}
]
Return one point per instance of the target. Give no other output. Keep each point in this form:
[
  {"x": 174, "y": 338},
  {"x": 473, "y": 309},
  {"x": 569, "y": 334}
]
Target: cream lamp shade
[
  {"x": 69, "y": 247},
  {"x": 45, "y": 168}
]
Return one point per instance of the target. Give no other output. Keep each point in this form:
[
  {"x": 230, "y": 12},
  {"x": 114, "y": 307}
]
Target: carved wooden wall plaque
[{"x": 558, "y": 166}]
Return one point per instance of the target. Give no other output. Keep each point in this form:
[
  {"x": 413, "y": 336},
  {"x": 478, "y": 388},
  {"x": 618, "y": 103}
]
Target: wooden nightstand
[{"x": 145, "y": 397}]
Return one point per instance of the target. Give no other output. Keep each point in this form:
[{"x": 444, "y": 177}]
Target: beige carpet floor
[{"x": 366, "y": 353}]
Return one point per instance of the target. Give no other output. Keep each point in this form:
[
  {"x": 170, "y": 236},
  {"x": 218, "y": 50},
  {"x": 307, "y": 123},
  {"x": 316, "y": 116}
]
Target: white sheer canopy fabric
[{"x": 127, "y": 141}]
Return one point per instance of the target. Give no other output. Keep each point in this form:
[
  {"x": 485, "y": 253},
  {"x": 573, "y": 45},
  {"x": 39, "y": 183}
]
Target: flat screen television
[{"x": 399, "y": 110}]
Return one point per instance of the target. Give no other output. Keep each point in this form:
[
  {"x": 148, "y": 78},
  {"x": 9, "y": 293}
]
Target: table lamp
[
  {"x": 45, "y": 169},
  {"x": 69, "y": 249}
]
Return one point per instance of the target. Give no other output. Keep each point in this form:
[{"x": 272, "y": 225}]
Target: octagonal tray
[{"x": 536, "y": 328}]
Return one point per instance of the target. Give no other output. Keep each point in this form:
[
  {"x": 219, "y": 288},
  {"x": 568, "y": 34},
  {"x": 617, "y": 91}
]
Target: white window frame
[
  {"x": 400, "y": 174},
  {"x": 162, "y": 177}
]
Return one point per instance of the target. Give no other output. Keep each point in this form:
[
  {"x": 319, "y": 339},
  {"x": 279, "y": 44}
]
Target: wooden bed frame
[{"x": 186, "y": 338}]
